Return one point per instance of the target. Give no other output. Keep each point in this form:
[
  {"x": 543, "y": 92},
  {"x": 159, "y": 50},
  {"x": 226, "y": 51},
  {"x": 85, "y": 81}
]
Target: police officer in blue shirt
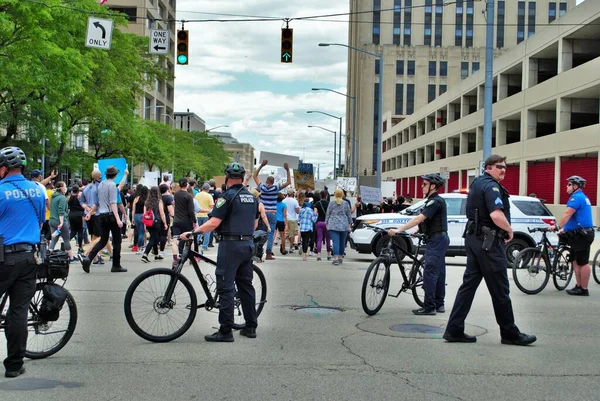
[
  {"x": 487, "y": 232},
  {"x": 236, "y": 215},
  {"x": 433, "y": 222},
  {"x": 22, "y": 212},
  {"x": 576, "y": 226}
]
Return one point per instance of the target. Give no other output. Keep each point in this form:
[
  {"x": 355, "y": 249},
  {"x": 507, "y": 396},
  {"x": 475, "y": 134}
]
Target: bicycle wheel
[
  {"x": 47, "y": 338},
  {"x": 562, "y": 270},
  {"x": 531, "y": 270},
  {"x": 260, "y": 288},
  {"x": 150, "y": 315},
  {"x": 596, "y": 267},
  {"x": 375, "y": 286},
  {"x": 416, "y": 279}
]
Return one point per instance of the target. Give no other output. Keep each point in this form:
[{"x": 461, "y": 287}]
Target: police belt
[
  {"x": 17, "y": 248},
  {"x": 229, "y": 237}
]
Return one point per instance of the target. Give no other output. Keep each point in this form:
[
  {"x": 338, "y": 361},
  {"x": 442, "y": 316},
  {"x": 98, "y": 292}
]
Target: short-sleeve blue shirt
[
  {"x": 281, "y": 209},
  {"x": 583, "y": 211},
  {"x": 19, "y": 222}
]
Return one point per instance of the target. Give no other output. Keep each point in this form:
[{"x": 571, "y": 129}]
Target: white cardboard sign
[
  {"x": 278, "y": 159},
  {"x": 370, "y": 195}
]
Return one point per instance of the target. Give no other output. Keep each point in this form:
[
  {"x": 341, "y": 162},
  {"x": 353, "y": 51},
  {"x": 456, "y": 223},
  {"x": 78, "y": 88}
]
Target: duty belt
[
  {"x": 16, "y": 248},
  {"x": 228, "y": 237}
]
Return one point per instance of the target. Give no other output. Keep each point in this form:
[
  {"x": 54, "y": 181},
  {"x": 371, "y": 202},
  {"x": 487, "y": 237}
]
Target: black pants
[
  {"x": 17, "y": 278},
  {"x": 492, "y": 267},
  {"x": 153, "y": 241},
  {"x": 76, "y": 224},
  {"x": 306, "y": 240},
  {"x": 162, "y": 237},
  {"x": 434, "y": 273},
  {"x": 234, "y": 268},
  {"x": 108, "y": 225}
]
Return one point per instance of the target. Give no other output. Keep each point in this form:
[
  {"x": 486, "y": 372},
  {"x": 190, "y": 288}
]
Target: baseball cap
[
  {"x": 35, "y": 173},
  {"x": 206, "y": 185}
]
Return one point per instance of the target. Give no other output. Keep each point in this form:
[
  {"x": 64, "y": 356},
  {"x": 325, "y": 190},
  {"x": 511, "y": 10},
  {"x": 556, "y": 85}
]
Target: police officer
[
  {"x": 577, "y": 226},
  {"x": 236, "y": 215},
  {"x": 22, "y": 212},
  {"x": 487, "y": 231},
  {"x": 433, "y": 222}
]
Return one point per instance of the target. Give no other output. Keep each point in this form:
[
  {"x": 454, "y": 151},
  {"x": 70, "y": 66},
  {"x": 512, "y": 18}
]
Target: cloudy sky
[{"x": 235, "y": 77}]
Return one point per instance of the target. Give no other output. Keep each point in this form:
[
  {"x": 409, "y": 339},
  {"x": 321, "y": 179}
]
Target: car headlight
[{"x": 371, "y": 221}]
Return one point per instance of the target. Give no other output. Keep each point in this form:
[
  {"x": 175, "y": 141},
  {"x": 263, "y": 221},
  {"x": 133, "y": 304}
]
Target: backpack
[
  {"x": 148, "y": 218},
  {"x": 52, "y": 302}
]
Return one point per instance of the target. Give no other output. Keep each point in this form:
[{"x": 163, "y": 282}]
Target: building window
[
  {"x": 458, "y": 32},
  {"x": 432, "y": 68},
  {"x": 474, "y": 67},
  {"x": 375, "y": 124},
  {"x": 397, "y": 11},
  {"x": 79, "y": 141},
  {"x": 443, "y": 68},
  {"x": 159, "y": 109},
  {"x": 428, "y": 20},
  {"x": 410, "y": 67},
  {"x": 443, "y": 89},
  {"x": 377, "y": 66},
  {"x": 469, "y": 30},
  {"x": 464, "y": 69},
  {"x": 130, "y": 12},
  {"x": 407, "y": 22},
  {"x": 147, "y": 107},
  {"x": 399, "y": 67},
  {"x": 376, "y": 21},
  {"x": 500, "y": 24},
  {"x": 439, "y": 13},
  {"x": 169, "y": 92},
  {"x": 430, "y": 93},
  {"x": 410, "y": 98},
  {"x": 551, "y": 11},
  {"x": 521, "y": 22},
  {"x": 399, "y": 99},
  {"x": 531, "y": 19},
  {"x": 563, "y": 9}
]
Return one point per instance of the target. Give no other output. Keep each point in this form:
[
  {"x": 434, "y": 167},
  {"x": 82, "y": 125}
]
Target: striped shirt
[{"x": 268, "y": 196}]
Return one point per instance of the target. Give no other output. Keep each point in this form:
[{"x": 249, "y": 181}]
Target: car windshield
[
  {"x": 532, "y": 208},
  {"x": 413, "y": 209}
]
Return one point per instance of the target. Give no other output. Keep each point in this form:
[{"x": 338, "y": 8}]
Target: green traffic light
[{"x": 182, "y": 59}]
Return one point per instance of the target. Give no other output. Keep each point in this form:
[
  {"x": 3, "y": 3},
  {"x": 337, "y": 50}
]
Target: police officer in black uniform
[
  {"x": 22, "y": 212},
  {"x": 433, "y": 222},
  {"x": 487, "y": 232},
  {"x": 236, "y": 216}
]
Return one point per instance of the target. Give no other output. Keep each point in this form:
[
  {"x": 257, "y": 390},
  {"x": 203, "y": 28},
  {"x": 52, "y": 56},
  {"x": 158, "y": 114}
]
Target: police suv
[{"x": 525, "y": 212}]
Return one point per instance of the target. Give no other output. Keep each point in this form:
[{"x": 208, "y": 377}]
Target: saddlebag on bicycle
[
  {"x": 54, "y": 297},
  {"x": 57, "y": 264}
]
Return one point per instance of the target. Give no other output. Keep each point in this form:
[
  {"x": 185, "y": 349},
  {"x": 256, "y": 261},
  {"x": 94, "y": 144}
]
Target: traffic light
[
  {"x": 287, "y": 43},
  {"x": 182, "y": 47}
]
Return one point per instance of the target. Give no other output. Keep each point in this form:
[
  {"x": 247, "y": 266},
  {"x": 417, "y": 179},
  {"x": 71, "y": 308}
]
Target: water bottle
[{"x": 56, "y": 233}]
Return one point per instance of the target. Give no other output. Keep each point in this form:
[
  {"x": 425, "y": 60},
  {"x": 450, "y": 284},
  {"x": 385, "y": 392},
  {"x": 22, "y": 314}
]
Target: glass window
[
  {"x": 376, "y": 21},
  {"x": 551, "y": 11},
  {"x": 407, "y": 22},
  {"x": 500, "y": 24},
  {"x": 521, "y": 22},
  {"x": 410, "y": 98},
  {"x": 399, "y": 99},
  {"x": 432, "y": 68},
  {"x": 563, "y": 9},
  {"x": 464, "y": 69},
  {"x": 410, "y": 67},
  {"x": 397, "y": 30},
  {"x": 475, "y": 67},
  {"x": 438, "y": 22},
  {"x": 443, "y": 89},
  {"x": 399, "y": 67},
  {"x": 453, "y": 206},
  {"x": 377, "y": 66},
  {"x": 531, "y": 19},
  {"x": 430, "y": 93},
  {"x": 443, "y": 68},
  {"x": 458, "y": 32},
  {"x": 428, "y": 20},
  {"x": 470, "y": 21},
  {"x": 532, "y": 208}
]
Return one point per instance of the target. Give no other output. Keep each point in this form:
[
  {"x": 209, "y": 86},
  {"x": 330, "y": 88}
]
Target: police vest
[
  {"x": 476, "y": 200},
  {"x": 241, "y": 214},
  {"x": 439, "y": 222}
]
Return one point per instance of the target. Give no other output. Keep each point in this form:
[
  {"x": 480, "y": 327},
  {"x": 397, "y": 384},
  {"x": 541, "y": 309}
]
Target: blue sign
[{"x": 120, "y": 164}]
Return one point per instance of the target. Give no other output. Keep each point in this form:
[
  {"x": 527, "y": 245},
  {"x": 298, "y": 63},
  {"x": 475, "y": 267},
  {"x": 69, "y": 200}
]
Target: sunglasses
[
  {"x": 424, "y": 184},
  {"x": 500, "y": 166}
]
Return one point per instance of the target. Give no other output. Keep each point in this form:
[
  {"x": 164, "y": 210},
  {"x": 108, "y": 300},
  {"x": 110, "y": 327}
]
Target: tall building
[
  {"x": 188, "y": 121},
  {"x": 428, "y": 48},
  {"x": 158, "y": 101}
]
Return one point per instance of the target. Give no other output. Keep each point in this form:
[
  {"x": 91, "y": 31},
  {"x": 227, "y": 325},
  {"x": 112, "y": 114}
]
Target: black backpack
[{"x": 52, "y": 302}]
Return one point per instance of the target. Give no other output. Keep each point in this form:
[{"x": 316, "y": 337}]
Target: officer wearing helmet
[
  {"x": 236, "y": 216},
  {"x": 576, "y": 227},
  {"x": 22, "y": 212},
  {"x": 433, "y": 222}
]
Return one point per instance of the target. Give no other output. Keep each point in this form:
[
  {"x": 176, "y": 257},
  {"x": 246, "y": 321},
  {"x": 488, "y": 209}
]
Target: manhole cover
[
  {"x": 318, "y": 310},
  {"x": 416, "y": 328}
]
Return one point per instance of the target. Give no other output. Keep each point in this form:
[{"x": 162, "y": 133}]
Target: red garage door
[
  {"x": 399, "y": 187},
  {"x": 418, "y": 190},
  {"x": 584, "y": 167},
  {"x": 453, "y": 181},
  {"x": 511, "y": 180},
  {"x": 411, "y": 187},
  {"x": 540, "y": 180},
  {"x": 465, "y": 180}
]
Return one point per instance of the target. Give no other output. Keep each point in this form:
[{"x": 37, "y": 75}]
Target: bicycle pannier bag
[
  {"x": 57, "y": 263},
  {"x": 52, "y": 302}
]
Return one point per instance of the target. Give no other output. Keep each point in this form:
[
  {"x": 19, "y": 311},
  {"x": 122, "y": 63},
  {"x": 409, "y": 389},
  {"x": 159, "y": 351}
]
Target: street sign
[
  {"x": 444, "y": 172},
  {"x": 99, "y": 33},
  {"x": 481, "y": 167},
  {"x": 159, "y": 41}
]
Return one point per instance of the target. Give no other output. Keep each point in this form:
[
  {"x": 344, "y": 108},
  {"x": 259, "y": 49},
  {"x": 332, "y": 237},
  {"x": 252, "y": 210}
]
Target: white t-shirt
[
  {"x": 292, "y": 204},
  {"x": 43, "y": 188}
]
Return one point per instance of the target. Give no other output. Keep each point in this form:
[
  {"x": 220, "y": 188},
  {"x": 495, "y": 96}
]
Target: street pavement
[{"x": 344, "y": 355}]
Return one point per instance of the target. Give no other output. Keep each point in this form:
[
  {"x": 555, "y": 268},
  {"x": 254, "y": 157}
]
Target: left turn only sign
[{"x": 99, "y": 33}]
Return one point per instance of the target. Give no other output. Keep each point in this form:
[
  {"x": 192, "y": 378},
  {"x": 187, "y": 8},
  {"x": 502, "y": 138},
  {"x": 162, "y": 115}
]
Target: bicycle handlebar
[
  {"x": 402, "y": 234},
  {"x": 539, "y": 230}
]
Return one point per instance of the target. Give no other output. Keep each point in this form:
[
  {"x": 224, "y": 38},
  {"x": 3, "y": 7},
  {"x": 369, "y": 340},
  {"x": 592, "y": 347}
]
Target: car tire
[{"x": 516, "y": 244}]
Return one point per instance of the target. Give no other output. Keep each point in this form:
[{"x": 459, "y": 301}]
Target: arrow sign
[
  {"x": 286, "y": 56},
  {"x": 159, "y": 41},
  {"x": 99, "y": 33}
]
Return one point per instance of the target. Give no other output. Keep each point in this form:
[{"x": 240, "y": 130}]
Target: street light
[
  {"x": 340, "y": 145},
  {"x": 334, "y": 138},
  {"x": 354, "y": 143},
  {"x": 380, "y": 101},
  {"x": 207, "y": 131}
]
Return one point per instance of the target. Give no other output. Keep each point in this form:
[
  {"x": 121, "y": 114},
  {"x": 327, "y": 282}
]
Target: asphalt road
[{"x": 314, "y": 355}]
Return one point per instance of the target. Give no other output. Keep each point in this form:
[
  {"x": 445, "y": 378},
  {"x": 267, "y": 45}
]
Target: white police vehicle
[{"x": 525, "y": 212}]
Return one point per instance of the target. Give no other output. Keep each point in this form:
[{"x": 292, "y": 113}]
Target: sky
[{"x": 235, "y": 76}]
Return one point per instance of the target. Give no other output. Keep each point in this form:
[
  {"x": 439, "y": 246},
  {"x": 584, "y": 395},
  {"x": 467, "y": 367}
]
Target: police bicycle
[
  {"x": 49, "y": 331},
  {"x": 161, "y": 304},
  {"x": 377, "y": 278},
  {"x": 533, "y": 266},
  {"x": 596, "y": 264}
]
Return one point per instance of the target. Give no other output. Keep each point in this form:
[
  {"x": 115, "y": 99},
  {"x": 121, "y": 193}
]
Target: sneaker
[
  {"x": 118, "y": 269},
  {"x": 249, "y": 332},
  {"x": 318, "y": 258},
  {"x": 211, "y": 246},
  {"x": 335, "y": 262},
  {"x": 423, "y": 312},
  {"x": 270, "y": 256},
  {"x": 441, "y": 309},
  {"x": 134, "y": 248},
  {"x": 73, "y": 260},
  {"x": 85, "y": 263},
  {"x": 292, "y": 250},
  {"x": 328, "y": 257},
  {"x": 311, "y": 253},
  {"x": 17, "y": 373},
  {"x": 578, "y": 291},
  {"x": 80, "y": 251},
  {"x": 220, "y": 337},
  {"x": 145, "y": 259},
  {"x": 105, "y": 252},
  {"x": 158, "y": 257},
  {"x": 98, "y": 261}
]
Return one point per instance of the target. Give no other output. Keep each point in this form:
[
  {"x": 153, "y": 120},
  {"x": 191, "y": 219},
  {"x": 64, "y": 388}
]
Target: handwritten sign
[
  {"x": 370, "y": 195},
  {"x": 347, "y": 183}
]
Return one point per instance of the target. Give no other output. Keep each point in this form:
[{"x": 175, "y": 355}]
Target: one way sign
[{"x": 159, "y": 41}]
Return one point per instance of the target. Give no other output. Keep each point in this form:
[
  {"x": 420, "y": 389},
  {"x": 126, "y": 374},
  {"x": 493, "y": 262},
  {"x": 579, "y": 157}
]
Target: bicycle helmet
[
  {"x": 435, "y": 179},
  {"x": 12, "y": 157},
  {"x": 235, "y": 170},
  {"x": 577, "y": 180}
]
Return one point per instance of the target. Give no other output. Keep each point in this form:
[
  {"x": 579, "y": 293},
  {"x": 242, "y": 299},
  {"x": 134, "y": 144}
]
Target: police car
[{"x": 525, "y": 212}]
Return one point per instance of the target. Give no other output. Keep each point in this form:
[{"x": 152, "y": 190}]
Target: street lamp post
[
  {"x": 207, "y": 131},
  {"x": 340, "y": 144},
  {"x": 354, "y": 142},
  {"x": 334, "y": 138},
  {"x": 380, "y": 101}
]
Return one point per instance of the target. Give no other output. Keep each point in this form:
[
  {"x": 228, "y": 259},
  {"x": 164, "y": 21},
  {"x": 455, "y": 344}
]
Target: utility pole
[{"x": 489, "y": 80}]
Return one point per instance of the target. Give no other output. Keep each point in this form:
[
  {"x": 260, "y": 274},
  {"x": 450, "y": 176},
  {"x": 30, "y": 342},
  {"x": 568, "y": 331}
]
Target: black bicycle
[
  {"x": 533, "y": 266},
  {"x": 161, "y": 304},
  {"x": 377, "y": 279},
  {"x": 596, "y": 264}
]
